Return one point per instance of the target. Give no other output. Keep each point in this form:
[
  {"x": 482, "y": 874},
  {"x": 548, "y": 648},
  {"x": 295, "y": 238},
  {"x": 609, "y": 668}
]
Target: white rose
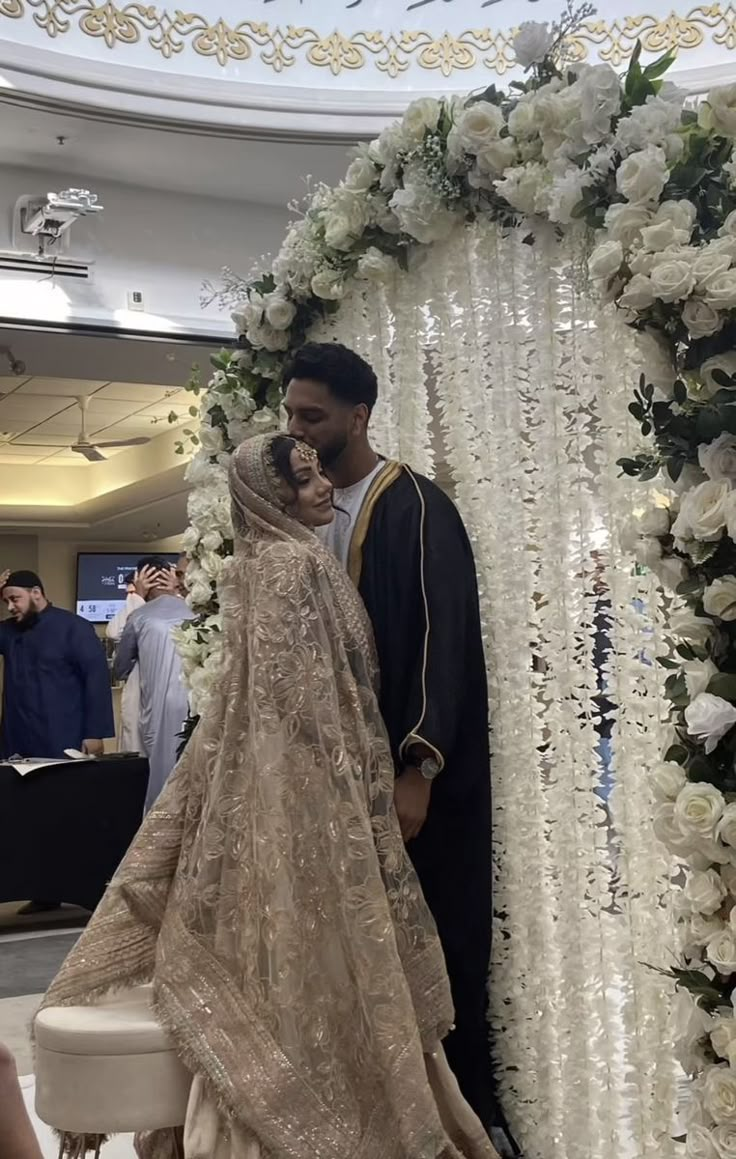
[
  {"x": 691, "y": 1026},
  {"x": 376, "y": 266},
  {"x": 667, "y": 778},
  {"x": 699, "y": 1143},
  {"x": 532, "y": 43},
  {"x": 211, "y": 540},
  {"x": 606, "y": 259},
  {"x": 698, "y": 675},
  {"x": 422, "y": 115},
  {"x": 727, "y": 826},
  {"x": 701, "y": 929},
  {"x": 662, "y": 235},
  {"x": 657, "y": 361},
  {"x": 718, "y": 459},
  {"x": 600, "y": 93},
  {"x": 638, "y": 293},
  {"x": 700, "y": 318},
  {"x": 728, "y": 229},
  {"x": 704, "y": 891},
  {"x": 672, "y": 280},
  {"x": 671, "y": 572},
  {"x": 643, "y": 175},
  {"x": 280, "y": 312},
  {"x": 703, "y": 512},
  {"x": 494, "y": 159},
  {"x": 681, "y": 213},
  {"x": 708, "y": 719},
  {"x": 522, "y": 120},
  {"x": 237, "y": 431},
  {"x": 344, "y": 219},
  {"x": 252, "y": 311},
  {"x": 720, "y": 290},
  {"x": 328, "y": 284},
  {"x": 723, "y": 1034},
  {"x": 475, "y": 129},
  {"x": 719, "y": 1094},
  {"x": 200, "y": 592},
  {"x": 526, "y": 187},
  {"x": 624, "y": 223},
  {"x": 724, "y": 1138},
  {"x": 419, "y": 209},
  {"x": 361, "y": 174},
  {"x": 698, "y": 808},
  {"x": 708, "y": 264},
  {"x": 264, "y": 337},
  {"x": 692, "y": 629},
  {"x": 725, "y": 362},
  {"x": 720, "y": 598},
  {"x": 718, "y": 111},
  {"x": 669, "y": 832},
  {"x": 210, "y": 439}
]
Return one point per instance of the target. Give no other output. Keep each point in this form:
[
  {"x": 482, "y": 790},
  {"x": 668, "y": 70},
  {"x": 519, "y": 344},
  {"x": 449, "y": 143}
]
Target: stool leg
[{"x": 77, "y": 1146}]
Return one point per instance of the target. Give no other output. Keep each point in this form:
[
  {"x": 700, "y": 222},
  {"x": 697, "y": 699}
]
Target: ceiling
[
  {"x": 200, "y": 163},
  {"x": 132, "y": 386},
  {"x": 40, "y": 418}
]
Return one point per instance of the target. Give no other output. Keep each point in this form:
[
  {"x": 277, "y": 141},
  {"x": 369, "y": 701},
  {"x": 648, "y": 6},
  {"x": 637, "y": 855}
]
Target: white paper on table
[{"x": 24, "y": 767}]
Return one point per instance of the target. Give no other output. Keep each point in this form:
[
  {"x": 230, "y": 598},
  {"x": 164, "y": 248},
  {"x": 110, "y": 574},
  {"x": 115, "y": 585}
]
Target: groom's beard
[{"x": 330, "y": 454}]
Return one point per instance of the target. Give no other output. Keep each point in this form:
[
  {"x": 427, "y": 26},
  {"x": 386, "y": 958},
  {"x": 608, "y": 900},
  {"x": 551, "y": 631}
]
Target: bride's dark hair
[{"x": 280, "y": 450}]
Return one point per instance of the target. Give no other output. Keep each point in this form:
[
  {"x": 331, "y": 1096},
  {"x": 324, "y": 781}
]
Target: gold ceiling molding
[{"x": 169, "y": 34}]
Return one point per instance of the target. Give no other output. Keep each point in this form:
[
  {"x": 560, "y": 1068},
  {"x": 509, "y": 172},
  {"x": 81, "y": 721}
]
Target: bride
[{"x": 268, "y": 896}]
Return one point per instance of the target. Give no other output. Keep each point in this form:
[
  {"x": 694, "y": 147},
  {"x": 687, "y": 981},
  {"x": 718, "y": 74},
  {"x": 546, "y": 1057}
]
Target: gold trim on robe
[
  {"x": 383, "y": 480},
  {"x": 378, "y": 487}
]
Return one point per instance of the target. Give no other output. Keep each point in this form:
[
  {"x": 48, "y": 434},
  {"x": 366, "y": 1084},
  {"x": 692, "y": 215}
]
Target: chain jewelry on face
[{"x": 308, "y": 454}]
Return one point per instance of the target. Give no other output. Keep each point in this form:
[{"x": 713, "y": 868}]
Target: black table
[{"x": 65, "y": 829}]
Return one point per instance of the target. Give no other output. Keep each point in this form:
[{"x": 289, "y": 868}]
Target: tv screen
[{"x": 101, "y": 588}]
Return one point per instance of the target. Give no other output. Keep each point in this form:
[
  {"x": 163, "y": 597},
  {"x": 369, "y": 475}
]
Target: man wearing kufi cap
[{"x": 56, "y": 687}]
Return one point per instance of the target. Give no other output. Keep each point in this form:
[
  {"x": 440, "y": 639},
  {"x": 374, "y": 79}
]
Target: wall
[
  {"x": 55, "y": 560},
  {"x": 162, "y": 244}
]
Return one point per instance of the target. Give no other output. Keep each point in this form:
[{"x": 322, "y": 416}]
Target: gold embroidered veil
[{"x": 268, "y": 895}]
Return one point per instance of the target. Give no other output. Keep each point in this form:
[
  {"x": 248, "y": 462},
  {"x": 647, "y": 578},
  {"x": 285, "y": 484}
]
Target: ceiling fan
[
  {"x": 83, "y": 445},
  {"x": 91, "y": 451}
]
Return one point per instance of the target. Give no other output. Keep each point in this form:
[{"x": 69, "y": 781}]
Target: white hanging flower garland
[{"x": 656, "y": 185}]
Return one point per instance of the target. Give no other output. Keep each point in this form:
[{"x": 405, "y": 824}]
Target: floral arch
[{"x": 511, "y": 265}]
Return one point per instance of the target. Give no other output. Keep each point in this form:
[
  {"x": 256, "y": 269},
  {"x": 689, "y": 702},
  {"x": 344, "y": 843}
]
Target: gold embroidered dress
[{"x": 268, "y": 895}]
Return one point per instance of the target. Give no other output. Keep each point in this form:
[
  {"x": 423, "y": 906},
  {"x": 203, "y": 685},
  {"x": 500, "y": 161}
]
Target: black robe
[{"x": 412, "y": 562}]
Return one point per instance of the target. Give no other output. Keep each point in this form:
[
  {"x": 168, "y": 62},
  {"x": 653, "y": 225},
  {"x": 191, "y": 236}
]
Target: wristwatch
[{"x": 429, "y": 768}]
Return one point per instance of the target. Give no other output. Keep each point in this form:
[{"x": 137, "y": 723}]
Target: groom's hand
[{"x": 411, "y": 798}]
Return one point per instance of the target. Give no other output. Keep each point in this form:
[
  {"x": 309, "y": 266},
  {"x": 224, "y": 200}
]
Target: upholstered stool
[{"x": 108, "y": 1068}]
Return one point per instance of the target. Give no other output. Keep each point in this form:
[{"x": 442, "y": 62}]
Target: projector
[{"x": 52, "y": 216}]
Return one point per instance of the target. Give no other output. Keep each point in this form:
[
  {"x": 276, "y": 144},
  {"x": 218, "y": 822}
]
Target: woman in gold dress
[{"x": 268, "y": 895}]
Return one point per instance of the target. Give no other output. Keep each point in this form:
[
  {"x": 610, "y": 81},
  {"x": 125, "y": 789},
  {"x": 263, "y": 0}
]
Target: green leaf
[
  {"x": 700, "y": 769},
  {"x": 659, "y": 67},
  {"x": 680, "y": 392},
  {"x": 723, "y": 684}
]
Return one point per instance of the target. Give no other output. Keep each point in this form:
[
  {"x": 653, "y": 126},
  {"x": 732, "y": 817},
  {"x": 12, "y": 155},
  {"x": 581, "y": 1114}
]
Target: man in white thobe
[
  {"x": 148, "y": 641},
  {"x": 129, "y": 733}
]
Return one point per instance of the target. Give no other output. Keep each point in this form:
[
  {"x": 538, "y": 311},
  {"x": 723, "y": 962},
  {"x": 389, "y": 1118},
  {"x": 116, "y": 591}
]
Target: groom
[{"x": 405, "y": 547}]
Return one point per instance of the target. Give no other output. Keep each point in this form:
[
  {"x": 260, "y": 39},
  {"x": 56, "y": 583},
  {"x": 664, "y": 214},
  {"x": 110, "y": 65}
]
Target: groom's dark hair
[{"x": 345, "y": 374}]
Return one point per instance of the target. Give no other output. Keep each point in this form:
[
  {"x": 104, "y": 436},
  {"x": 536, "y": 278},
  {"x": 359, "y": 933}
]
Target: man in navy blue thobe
[{"x": 56, "y": 686}]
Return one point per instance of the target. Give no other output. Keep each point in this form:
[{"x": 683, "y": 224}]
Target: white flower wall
[{"x": 532, "y": 384}]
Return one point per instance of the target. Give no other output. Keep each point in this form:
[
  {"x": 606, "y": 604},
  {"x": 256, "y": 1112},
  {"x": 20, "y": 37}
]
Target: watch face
[{"x": 430, "y": 768}]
